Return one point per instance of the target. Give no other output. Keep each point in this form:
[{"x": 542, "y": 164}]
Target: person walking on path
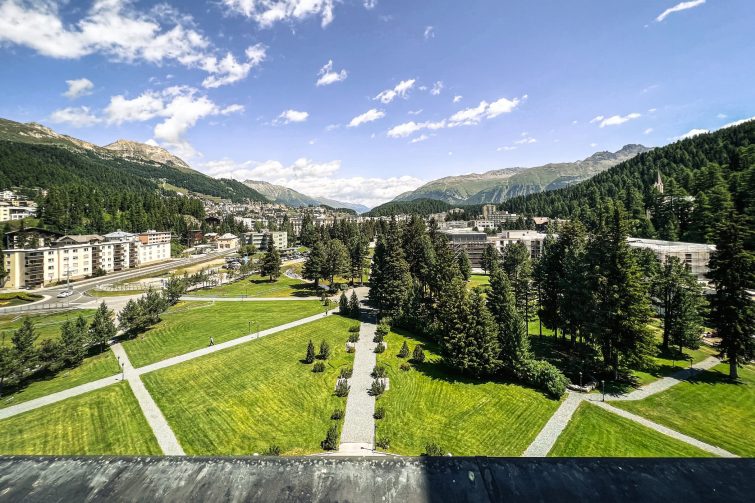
[{"x": 212, "y": 341}]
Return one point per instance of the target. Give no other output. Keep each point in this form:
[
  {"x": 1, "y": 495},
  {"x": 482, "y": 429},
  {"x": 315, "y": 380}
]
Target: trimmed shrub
[
  {"x": 378, "y": 387},
  {"x": 382, "y": 329},
  {"x": 354, "y": 329},
  {"x": 379, "y": 371},
  {"x": 405, "y": 367},
  {"x": 324, "y": 351},
  {"x": 331, "y": 439},
  {"x": 353, "y": 338},
  {"x": 383, "y": 443},
  {"x": 310, "y": 353},
  {"x": 380, "y": 348},
  {"x": 351, "y": 349},
  {"x": 318, "y": 367},
  {"x": 543, "y": 376},
  {"x": 342, "y": 388},
  {"x": 404, "y": 350},
  {"x": 379, "y": 413},
  {"x": 272, "y": 450},
  {"x": 418, "y": 356},
  {"x": 337, "y": 414},
  {"x": 433, "y": 449},
  {"x": 345, "y": 373},
  {"x": 378, "y": 338}
]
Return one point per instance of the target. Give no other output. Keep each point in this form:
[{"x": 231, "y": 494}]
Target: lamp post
[
  {"x": 603, "y": 385},
  {"x": 123, "y": 371},
  {"x": 580, "y": 379}
]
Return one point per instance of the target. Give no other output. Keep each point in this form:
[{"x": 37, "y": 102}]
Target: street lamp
[
  {"x": 123, "y": 371},
  {"x": 603, "y": 385},
  {"x": 580, "y": 379}
]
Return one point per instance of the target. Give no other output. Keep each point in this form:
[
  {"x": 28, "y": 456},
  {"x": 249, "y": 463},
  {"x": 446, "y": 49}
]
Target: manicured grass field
[
  {"x": 105, "y": 421},
  {"x": 594, "y": 432},
  {"x": 710, "y": 408},
  {"x": 257, "y": 286},
  {"x": 92, "y": 369},
  {"x": 17, "y": 298},
  {"x": 427, "y": 404},
  {"x": 47, "y": 325},
  {"x": 189, "y": 325},
  {"x": 244, "y": 399},
  {"x": 478, "y": 280}
]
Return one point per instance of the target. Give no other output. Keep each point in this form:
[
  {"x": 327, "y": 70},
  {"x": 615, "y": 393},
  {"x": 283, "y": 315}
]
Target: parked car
[{"x": 65, "y": 293}]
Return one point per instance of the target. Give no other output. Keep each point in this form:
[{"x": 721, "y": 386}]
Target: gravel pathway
[
  {"x": 543, "y": 443},
  {"x": 358, "y": 434},
  {"x": 166, "y": 439},
  {"x": 667, "y": 431},
  {"x": 666, "y": 382}
]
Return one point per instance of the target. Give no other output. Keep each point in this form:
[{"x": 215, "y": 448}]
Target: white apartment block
[
  {"x": 78, "y": 256},
  {"x": 695, "y": 255},
  {"x": 533, "y": 240},
  {"x": 10, "y": 211},
  {"x": 261, "y": 240}
]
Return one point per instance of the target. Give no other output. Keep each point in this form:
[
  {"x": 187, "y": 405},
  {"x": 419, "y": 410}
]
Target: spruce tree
[
  {"x": 518, "y": 266},
  {"x": 681, "y": 300},
  {"x": 490, "y": 257},
  {"x": 310, "y": 357},
  {"x": 343, "y": 305},
  {"x": 271, "y": 263},
  {"x": 512, "y": 337},
  {"x": 404, "y": 352},
  {"x": 24, "y": 352},
  {"x": 315, "y": 264},
  {"x": 336, "y": 259},
  {"x": 732, "y": 271},
  {"x": 354, "y": 305},
  {"x": 465, "y": 266},
  {"x": 103, "y": 327},
  {"x": 394, "y": 275},
  {"x": 482, "y": 339},
  {"x": 418, "y": 355},
  {"x": 8, "y": 366}
]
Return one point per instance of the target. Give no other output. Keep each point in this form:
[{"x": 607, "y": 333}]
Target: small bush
[
  {"x": 331, "y": 439},
  {"x": 342, "y": 388},
  {"x": 318, "y": 367},
  {"x": 418, "y": 356},
  {"x": 310, "y": 357},
  {"x": 272, "y": 450},
  {"x": 380, "y": 348},
  {"x": 379, "y": 413},
  {"x": 377, "y": 388},
  {"x": 383, "y": 328},
  {"x": 378, "y": 338},
  {"x": 351, "y": 349},
  {"x": 324, "y": 351},
  {"x": 337, "y": 414},
  {"x": 354, "y": 329},
  {"x": 405, "y": 367},
  {"x": 543, "y": 376},
  {"x": 345, "y": 373},
  {"x": 383, "y": 443},
  {"x": 353, "y": 338},
  {"x": 433, "y": 449},
  {"x": 404, "y": 350},
  {"x": 379, "y": 371}
]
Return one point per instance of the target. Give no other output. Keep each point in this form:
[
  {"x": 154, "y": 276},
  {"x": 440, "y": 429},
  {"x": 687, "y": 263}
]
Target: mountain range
[
  {"x": 499, "y": 185},
  {"x": 290, "y": 197}
]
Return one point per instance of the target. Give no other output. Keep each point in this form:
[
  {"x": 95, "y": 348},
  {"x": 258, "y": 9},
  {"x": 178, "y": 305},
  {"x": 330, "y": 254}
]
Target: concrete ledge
[{"x": 40, "y": 479}]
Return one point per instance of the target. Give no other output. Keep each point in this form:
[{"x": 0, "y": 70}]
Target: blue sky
[{"x": 408, "y": 91}]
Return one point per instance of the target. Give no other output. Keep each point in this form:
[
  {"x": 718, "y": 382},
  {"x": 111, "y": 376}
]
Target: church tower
[{"x": 658, "y": 185}]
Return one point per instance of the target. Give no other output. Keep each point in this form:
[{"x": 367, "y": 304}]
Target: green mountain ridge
[{"x": 290, "y": 197}]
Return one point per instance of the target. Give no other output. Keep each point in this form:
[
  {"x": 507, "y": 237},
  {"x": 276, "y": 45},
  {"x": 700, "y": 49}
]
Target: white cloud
[
  {"x": 420, "y": 138},
  {"x": 616, "y": 120},
  {"x": 316, "y": 179},
  {"x": 648, "y": 130},
  {"x": 228, "y": 70},
  {"x": 737, "y": 123},
  {"x": 678, "y": 8},
  {"x": 268, "y": 12},
  {"x": 370, "y": 4},
  {"x": 401, "y": 89},
  {"x": 293, "y": 116},
  {"x": 652, "y": 110},
  {"x": 593, "y": 145},
  {"x": 78, "y": 87},
  {"x": 115, "y": 29},
  {"x": 437, "y": 88},
  {"x": 411, "y": 127},
  {"x": 691, "y": 134},
  {"x": 526, "y": 141},
  {"x": 721, "y": 116},
  {"x": 328, "y": 76},
  {"x": 596, "y": 119},
  {"x": 75, "y": 116},
  {"x": 415, "y": 112},
  {"x": 429, "y": 32},
  {"x": 457, "y": 98},
  {"x": 370, "y": 115},
  {"x": 484, "y": 110},
  {"x": 575, "y": 122},
  {"x": 505, "y": 148}
]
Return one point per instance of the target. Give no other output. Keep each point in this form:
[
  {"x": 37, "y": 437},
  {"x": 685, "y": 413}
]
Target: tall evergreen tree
[
  {"x": 482, "y": 344},
  {"x": 465, "y": 266},
  {"x": 271, "y": 263},
  {"x": 336, "y": 259},
  {"x": 315, "y": 264},
  {"x": 393, "y": 281},
  {"x": 732, "y": 271},
  {"x": 518, "y": 266},
  {"x": 24, "y": 351},
  {"x": 103, "y": 327},
  {"x": 512, "y": 336},
  {"x": 489, "y": 256},
  {"x": 681, "y": 302}
]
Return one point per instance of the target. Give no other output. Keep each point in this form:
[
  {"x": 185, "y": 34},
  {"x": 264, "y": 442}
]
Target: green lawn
[
  {"x": 257, "y": 286},
  {"x": 47, "y": 325},
  {"x": 92, "y": 369},
  {"x": 189, "y": 325},
  {"x": 105, "y": 421},
  {"x": 478, "y": 280},
  {"x": 710, "y": 408},
  {"x": 427, "y": 404},
  {"x": 242, "y": 400},
  {"x": 594, "y": 432}
]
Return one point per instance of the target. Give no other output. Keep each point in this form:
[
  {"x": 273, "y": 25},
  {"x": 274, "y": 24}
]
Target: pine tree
[
  {"x": 394, "y": 280},
  {"x": 354, "y": 305},
  {"x": 518, "y": 266},
  {"x": 271, "y": 263},
  {"x": 681, "y": 301},
  {"x": 73, "y": 341},
  {"x": 336, "y": 260},
  {"x": 418, "y": 356},
  {"x": 24, "y": 352},
  {"x": 8, "y": 366},
  {"x": 512, "y": 337},
  {"x": 404, "y": 352},
  {"x": 103, "y": 327},
  {"x": 315, "y": 264},
  {"x": 482, "y": 339},
  {"x": 489, "y": 258},
  {"x": 343, "y": 305},
  {"x": 732, "y": 313},
  {"x": 465, "y": 266},
  {"x": 310, "y": 357}
]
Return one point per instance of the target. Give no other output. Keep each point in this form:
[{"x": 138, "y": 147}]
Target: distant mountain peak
[
  {"x": 290, "y": 197},
  {"x": 145, "y": 152}
]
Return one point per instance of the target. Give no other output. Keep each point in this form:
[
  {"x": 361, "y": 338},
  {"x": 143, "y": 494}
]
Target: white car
[{"x": 65, "y": 293}]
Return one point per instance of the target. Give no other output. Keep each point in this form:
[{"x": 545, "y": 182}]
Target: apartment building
[
  {"x": 491, "y": 214},
  {"x": 261, "y": 240},
  {"x": 10, "y": 211},
  {"x": 695, "y": 255},
  {"x": 469, "y": 241},
  {"x": 153, "y": 246},
  {"x": 533, "y": 240}
]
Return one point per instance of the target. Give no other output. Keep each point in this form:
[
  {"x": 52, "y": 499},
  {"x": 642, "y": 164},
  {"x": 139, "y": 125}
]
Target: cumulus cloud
[
  {"x": 401, "y": 89},
  {"x": 692, "y": 133},
  {"x": 505, "y": 148},
  {"x": 78, "y": 87},
  {"x": 370, "y": 115},
  {"x": 648, "y": 130},
  {"x": 420, "y": 138},
  {"x": 737, "y": 123},
  {"x": 75, "y": 116},
  {"x": 429, "y": 32},
  {"x": 411, "y": 127},
  {"x": 457, "y": 98},
  {"x": 116, "y": 30},
  {"x": 526, "y": 141},
  {"x": 437, "y": 88},
  {"x": 317, "y": 179},
  {"x": 228, "y": 69},
  {"x": 328, "y": 76},
  {"x": 615, "y": 120},
  {"x": 268, "y": 12},
  {"x": 293, "y": 116},
  {"x": 678, "y": 8},
  {"x": 370, "y": 4},
  {"x": 179, "y": 107}
]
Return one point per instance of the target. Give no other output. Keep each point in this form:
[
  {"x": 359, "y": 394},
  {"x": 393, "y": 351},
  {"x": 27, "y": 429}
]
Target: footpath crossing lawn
[
  {"x": 47, "y": 325},
  {"x": 427, "y": 404},
  {"x": 105, "y": 421},
  {"x": 709, "y": 408},
  {"x": 92, "y": 368},
  {"x": 244, "y": 399},
  {"x": 594, "y": 432},
  {"x": 188, "y": 326},
  {"x": 257, "y": 286}
]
